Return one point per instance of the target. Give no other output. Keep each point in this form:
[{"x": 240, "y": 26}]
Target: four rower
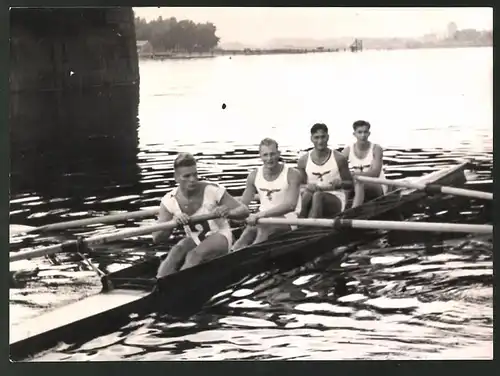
[
  {"x": 325, "y": 173},
  {"x": 278, "y": 187},
  {"x": 327, "y": 177},
  {"x": 365, "y": 159},
  {"x": 205, "y": 240}
]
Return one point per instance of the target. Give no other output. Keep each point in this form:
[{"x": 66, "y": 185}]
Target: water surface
[{"x": 408, "y": 297}]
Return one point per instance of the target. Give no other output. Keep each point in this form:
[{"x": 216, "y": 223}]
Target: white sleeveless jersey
[
  {"x": 273, "y": 193},
  {"x": 363, "y": 164},
  {"x": 324, "y": 174},
  {"x": 212, "y": 194}
]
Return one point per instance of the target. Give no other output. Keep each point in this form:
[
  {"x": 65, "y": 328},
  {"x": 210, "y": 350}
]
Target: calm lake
[{"x": 418, "y": 297}]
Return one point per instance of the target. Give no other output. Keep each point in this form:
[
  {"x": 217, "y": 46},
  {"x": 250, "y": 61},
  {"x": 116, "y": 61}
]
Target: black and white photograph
[{"x": 239, "y": 183}]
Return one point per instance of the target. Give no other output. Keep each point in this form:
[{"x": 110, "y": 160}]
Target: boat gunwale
[
  {"x": 312, "y": 233},
  {"x": 321, "y": 235}
]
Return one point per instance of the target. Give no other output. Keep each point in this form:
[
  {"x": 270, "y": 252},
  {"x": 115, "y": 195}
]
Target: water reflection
[
  {"x": 72, "y": 146},
  {"x": 404, "y": 306}
]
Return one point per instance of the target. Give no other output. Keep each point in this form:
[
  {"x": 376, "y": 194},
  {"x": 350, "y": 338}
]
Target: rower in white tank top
[
  {"x": 273, "y": 193},
  {"x": 325, "y": 174},
  {"x": 360, "y": 164},
  {"x": 212, "y": 195}
]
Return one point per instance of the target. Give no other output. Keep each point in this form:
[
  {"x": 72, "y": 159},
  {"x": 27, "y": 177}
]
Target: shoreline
[
  {"x": 187, "y": 56},
  {"x": 246, "y": 52}
]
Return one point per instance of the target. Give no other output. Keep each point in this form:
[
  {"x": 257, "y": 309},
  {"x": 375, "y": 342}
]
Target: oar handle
[
  {"x": 105, "y": 238},
  {"x": 430, "y": 188}
]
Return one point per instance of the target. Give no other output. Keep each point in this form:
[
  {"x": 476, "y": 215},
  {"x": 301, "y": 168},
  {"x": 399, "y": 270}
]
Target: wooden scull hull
[{"x": 186, "y": 291}]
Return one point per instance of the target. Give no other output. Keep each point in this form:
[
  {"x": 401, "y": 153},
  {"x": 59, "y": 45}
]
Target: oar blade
[{"x": 15, "y": 230}]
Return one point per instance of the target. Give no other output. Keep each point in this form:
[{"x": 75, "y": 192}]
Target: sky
[{"x": 259, "y": 25}]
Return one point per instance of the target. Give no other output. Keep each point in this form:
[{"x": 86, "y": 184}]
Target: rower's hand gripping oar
[{"x": 219, "y": 212}]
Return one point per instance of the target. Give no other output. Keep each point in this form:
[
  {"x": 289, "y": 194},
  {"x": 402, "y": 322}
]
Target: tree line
[{"x": 172, "y": 35}]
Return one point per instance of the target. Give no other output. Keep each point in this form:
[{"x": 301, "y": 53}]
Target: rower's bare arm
[
  {"x": 290, "y": 202},
  {"x": 301, "y": 168},
  {"x": 250, "y": 191},
  {"x": 346, "y": 181},
  {"x": 345, "y": 152},
  {"x": 359, "y": 195},
  {"x": 377, "y": 163},
  {"x": 163, "y": 216},
  {"x": 344, "y": 172},
  {"x": 237, "y": 210}
]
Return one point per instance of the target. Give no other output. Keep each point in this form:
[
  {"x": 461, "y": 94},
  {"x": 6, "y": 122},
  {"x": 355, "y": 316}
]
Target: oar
[
  {"x": 380, "y": 225},
  {"x": 17, "y": 230},
  {"x": 104, "y": 238},
  {"x": 431, "y": 188},
  {"x": 145, "y": 213}
]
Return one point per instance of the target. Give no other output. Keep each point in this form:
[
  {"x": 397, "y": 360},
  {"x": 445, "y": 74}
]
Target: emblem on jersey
[
  {"x": 361, "y": 168},
  {"x": 321, "y": 174},
  {"x": 269, "y": 192}
]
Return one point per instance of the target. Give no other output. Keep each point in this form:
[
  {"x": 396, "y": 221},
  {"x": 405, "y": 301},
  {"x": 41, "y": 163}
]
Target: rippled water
[{"x": 417, "y": 296}]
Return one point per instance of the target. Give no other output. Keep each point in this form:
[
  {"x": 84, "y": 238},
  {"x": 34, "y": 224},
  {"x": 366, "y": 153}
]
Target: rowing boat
[{"x": 136, "y": 291}]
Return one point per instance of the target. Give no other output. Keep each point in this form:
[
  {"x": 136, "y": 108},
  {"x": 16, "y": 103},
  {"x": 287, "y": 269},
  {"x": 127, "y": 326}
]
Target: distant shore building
[
  {"x": 144, "y": 47},
  {"x": 452, "y": 29},
  {"x": 356, "y": 46}
]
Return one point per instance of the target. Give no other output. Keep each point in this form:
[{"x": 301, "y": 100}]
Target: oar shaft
[
  {"x": 380, "y": 225},
  {"x": 100, "y": 220},
  {"x": 105, "y": 238},
  {"x": 429, "y": 187},
  {"x": 111, "y": 218},
  {"x": 467, "y": 193},
  {"x": 422, "y": 226}
]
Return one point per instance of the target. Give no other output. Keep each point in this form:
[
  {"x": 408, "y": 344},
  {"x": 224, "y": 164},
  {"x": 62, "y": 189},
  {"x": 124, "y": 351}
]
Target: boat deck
[{"x": 73, "y": 312}]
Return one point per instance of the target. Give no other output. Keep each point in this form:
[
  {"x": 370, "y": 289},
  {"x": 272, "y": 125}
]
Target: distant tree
[
  {"x": 206, "y": 37},
  {"x": 170, "y": 34}
]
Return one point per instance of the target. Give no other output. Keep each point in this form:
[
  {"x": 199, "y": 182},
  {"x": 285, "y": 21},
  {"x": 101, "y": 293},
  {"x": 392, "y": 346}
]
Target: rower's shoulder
[
  {"x": 303, "y": 159},
  {"x": 251, "y": 176},
  {"x": 168, "y": 199},
  {"x": 214, "y": 191},
  {"x": 254, "y": 171},
  {"x": 212, "y": 185},
  {"x": 377, "y": 147},
  {"x": 171, "y": 194},
  {"x": 339, "y": 155},
  {"x": 293, "y": 173},
  {"x": 340, "y": 158}
]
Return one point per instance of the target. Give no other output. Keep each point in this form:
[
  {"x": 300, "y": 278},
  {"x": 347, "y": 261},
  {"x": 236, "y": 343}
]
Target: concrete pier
[
  {"x": 73, "y": 102},
  {"x": 72, "y": 48}
]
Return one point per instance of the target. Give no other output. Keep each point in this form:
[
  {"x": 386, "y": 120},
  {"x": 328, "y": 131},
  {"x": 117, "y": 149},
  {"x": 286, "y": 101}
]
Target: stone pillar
[
  {"x": 73, "y": 108},
  {"x": 59, "y": 49}
]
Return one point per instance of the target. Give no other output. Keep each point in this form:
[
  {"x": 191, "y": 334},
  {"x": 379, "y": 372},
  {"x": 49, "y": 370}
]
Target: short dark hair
[
  {"x": 184, "y": 160},
  {"x": 268, "y": 142},
  {"x": 360, "y": 123},
  {"x": 319, "y": 127}
]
